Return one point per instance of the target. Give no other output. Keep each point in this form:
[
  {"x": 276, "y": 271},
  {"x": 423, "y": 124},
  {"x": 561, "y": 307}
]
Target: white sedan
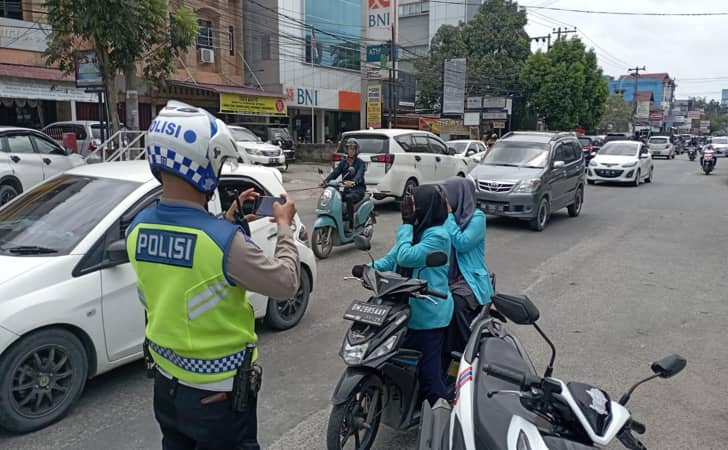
[
  {"x": 252, "y": 150},
  {"x": 69, "y": 307},
  {"x": 471, "y": 151},
  {"x": 622, "y": 162}
]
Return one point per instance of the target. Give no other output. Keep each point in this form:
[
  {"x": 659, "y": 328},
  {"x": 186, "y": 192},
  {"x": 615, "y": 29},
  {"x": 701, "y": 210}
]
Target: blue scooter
[{"x": 329, "y": 231}]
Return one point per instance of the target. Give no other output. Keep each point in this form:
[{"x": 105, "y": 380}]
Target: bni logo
[{"x": 376, "y": 4}]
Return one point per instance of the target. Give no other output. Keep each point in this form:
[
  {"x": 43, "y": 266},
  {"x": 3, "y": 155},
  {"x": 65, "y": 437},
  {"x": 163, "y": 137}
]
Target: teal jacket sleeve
[
  {"x": 387, "y": 262},
  {"x": 414, "y": 256},
  {"x": 471, "y": 236}
]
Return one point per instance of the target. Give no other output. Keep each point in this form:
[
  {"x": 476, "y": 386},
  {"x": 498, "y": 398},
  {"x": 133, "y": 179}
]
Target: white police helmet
[{"x": 191, "y": 143}]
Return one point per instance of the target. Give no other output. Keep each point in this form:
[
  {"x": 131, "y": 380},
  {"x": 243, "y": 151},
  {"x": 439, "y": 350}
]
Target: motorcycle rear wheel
[{"x": 357, "y": 419}]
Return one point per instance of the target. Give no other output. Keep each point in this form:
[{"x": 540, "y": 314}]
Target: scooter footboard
[
  {"x": 349, "y": 381},
  {"x": 434, "y": 431}
]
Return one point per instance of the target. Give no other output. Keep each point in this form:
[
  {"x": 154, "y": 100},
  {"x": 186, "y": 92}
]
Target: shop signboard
[
  {"x": 88, "y": 70},
  {"x": 39, "y": 90},
  {"x": 499, "y": 124},
  {"x": 454, "y": 75},
  {"x": 471, "y": 118},
  {"x": 475, "y": 102},
  {"x": 374, "y": 106},
  {"x": 305, "y": 97},
  {"x": 24, "y": 35},
  {"x": 437, "y": 126},
  {"x": 705, "y": 124},
  {"x": 494, "y": 102},
  {"x": 656, "y": 116},
  {"x": 693, "y": 114},
  {"x": 495, "y": 115},
  {"x": 252, "y": 104}
]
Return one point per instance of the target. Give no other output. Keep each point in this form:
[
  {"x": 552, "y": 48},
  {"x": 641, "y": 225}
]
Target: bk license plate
[
  {"x": 367, "y": 313},
  {"x": 273, "y": 161}
]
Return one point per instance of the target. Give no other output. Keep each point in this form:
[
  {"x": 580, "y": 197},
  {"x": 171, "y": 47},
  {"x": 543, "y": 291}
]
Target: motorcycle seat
[{"x": 360, "y": 202}]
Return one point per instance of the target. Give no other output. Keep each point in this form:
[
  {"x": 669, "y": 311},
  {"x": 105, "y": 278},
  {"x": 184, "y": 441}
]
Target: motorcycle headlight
[
  {"x": 354, "y": 354},
  {"x": 632, "y": 164},
  {"x": 325, "y": 198},
  {"x": 593, "y": 163},
  {"x": 527, "y": 186},
  {"x": 385, "y": 348}
]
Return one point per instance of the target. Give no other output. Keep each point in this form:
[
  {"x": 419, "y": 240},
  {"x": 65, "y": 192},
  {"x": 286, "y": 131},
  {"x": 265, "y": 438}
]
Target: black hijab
[
  {"x": 461, "y": 195},
  {"x": 430, "y": 209}
]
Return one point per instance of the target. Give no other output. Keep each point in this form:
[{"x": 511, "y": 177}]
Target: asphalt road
[{"x": 640, "y": 274}]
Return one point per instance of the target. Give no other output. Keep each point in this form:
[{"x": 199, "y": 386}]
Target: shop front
[
  {"x": 448, "y": 129},
  {"x": 321, "y": 115}
]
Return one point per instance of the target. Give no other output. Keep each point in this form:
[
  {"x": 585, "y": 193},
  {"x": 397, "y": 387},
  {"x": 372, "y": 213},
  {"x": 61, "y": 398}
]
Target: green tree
[
  {"x": 617, "y": 114},
  {"x": 495, "y": 45},
  {"x": 124, "y": 34},
  {"x": 566, "y": 86}
]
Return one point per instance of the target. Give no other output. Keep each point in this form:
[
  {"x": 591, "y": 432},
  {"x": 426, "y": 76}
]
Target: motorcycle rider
[
  {"x": 708, "y": 150},
  {"x": 193, "y": 272},
  {"x": 422, "y": 232},
  {"x": 493, "y": 139},
  {"x": 353, "y": 180}
]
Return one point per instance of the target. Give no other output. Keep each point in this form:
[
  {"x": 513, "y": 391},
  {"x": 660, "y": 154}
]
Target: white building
[{"x": 724, "y": 98}]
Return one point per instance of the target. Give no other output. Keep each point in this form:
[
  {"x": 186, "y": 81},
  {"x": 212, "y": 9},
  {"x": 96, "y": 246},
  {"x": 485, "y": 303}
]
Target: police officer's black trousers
[{"x": 188, "y": 423}]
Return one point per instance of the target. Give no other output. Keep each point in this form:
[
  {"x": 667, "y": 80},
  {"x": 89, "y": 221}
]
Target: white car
[
  {"x": 719, "y": 146},
  {"x": 622, "y": 162},
  {"x": 471, "y": 151},
  {"x": 398, "y": 160},
  {"x": 69, "y": 307},
  {"x": 252, "y": 150},
  {"x": 661, "y": 146},
  {"x": 27, "y": 157}
]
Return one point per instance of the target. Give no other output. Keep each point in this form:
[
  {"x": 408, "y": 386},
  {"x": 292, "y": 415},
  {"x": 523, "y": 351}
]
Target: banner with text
[
  {"x": 374, "y": 106},
  {"x": 252, "y": 104}
]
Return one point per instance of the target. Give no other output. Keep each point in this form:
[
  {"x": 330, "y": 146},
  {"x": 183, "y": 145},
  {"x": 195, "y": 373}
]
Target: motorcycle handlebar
[
  {"x": 524, "y": 380},
  {"x": 637, "y": 427}
]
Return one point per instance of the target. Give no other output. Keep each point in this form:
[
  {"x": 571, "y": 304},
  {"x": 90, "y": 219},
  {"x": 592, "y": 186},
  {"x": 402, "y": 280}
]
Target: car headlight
[
  {"x": 325, "y": 198},
  {"x": 252, "y": 151},
  {"x": 531, "y": 185},
  {"x": 632, "y": 164},
  {"x": 593, "y": 163},
  {"x": 354, "y": 354},
  {"x": 384, "y": 348}
]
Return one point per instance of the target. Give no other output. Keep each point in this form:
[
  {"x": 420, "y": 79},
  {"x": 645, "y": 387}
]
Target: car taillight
[
  {"x": 589, "y": 148},
  {"x": 387, "y": 159},
  {"x": 335, "y": 159}
]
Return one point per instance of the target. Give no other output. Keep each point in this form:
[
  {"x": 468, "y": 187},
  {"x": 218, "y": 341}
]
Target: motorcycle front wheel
[
  {"x": 354, "y": 423},
  {"x": 322, "y": 242}
]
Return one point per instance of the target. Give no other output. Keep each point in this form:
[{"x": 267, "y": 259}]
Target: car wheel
[
  {"x": 652, "y": 175},
  {"x": 673, "y": 156},
  {"x": 285, "y": 314},
  {"x": 43, "y": 375},
  {"x": 575, "y": 208},
  {"x": 409, "y": 187},
  {"x": 636, "y": 182},
  {"x": 539, "y": 222},
  {"x": 7, "y": 193},
  {"x": 590, "y": 181},
  {"x": 322, "y": 242}
]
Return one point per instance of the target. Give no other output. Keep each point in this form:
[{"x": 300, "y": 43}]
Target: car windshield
[
  {"x": 460, "y": 147},
  {"x": 279, "y": 133},
  {"x": 720, "y": 141},
  {"x": 241, "y": 134},
  {"x": 658, "y": 141},
  {"x": 53, "y": 217},
  {"x": 517, "y": 154},
  {"x": 374, "y": 144},
  {"x": 585, "y": 141},
  {"x": 618, "y": 149}
]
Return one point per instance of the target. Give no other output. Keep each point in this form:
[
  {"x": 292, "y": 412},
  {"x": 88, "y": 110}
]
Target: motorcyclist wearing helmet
[
  {"x": 351, "y": 170},
  {"x": 193, "y": 272},
  {"x": 493, "y": 139}
]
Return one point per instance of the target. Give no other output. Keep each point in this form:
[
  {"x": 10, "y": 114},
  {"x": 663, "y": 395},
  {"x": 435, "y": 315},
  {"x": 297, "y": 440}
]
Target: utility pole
[
  {"x": 546, "y": 39},
  {"x": 636, "y": 71},
  {"x": 559, "y": 31}
]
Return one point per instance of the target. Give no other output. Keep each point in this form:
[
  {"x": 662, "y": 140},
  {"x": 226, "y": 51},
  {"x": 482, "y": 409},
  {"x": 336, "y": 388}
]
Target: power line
[{"x": 620, "y": 13}]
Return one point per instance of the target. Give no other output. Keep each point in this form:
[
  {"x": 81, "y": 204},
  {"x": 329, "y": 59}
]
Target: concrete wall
[{"x": 315, "y": 152}]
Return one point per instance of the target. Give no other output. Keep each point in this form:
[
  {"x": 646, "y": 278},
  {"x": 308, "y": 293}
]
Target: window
[
  {"x": 405, "y": 141},
  {"x": 265, "y": 50},
  {"x": 573, "y": 152},
  {"x": 231, "y": 40},
  {"x": 20, "y": 144},
  {"x": 204, "y": 35},
  {"x": 421, "y": 145},
  {"x": 12, "y": 9},
  {"x": 371, "y": 144},
  {"x": 46, "y": 147},
  {"x": 437, "y": 146},
  {"x": 562, "y": 153},
  {"x": 414, "y": 9}
]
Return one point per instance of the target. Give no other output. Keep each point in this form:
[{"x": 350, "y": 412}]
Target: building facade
[
  {"x": 660, "y": 84},
  {"x": 724, "y": 98}
]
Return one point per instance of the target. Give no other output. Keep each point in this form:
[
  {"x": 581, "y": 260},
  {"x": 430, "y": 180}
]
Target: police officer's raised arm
[{"x": 277, "y": 277}]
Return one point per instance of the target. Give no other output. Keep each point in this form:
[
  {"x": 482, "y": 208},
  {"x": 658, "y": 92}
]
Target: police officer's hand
[
  {"x": 249, "y": 194},
  {"x": 284, "y": 214}
]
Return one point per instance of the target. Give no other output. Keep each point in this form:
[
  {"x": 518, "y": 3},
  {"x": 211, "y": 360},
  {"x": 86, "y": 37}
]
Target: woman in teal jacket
[
  {"x": 468, "y": 276},
  {"x": 422, "y": 232}
]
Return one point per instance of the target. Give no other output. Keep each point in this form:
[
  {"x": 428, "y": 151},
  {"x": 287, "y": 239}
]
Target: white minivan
[{"x": 398, "y": 160}]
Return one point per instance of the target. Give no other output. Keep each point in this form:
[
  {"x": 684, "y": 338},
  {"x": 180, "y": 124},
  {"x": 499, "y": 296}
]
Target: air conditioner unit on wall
[{"x": 207, "y": 56}]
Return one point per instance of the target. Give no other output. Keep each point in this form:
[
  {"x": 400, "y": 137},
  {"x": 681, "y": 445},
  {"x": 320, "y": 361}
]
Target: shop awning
[
  {"x": 243, "y": 100},
  {"x": 28, "y": 89}
]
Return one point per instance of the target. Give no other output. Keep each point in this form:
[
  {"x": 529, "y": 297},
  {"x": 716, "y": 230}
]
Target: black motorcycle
[
  {"x": 692, "y": 153},
  {"x": 380, "y": 383}
]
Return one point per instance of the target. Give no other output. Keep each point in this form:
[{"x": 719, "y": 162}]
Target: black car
[
  {"x": 530, "y": 175},
  {"x": 590, "y": 146},
  {"x": 618, "y": 137}
]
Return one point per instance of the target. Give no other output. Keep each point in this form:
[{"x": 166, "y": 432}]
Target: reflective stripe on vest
[
  {"x": 204, "y": 366},
  {"x": 206, "y": 300}
]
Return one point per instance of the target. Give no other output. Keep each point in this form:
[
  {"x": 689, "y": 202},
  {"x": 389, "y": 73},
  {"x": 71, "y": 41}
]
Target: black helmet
[{"x": 352, "y": 143}]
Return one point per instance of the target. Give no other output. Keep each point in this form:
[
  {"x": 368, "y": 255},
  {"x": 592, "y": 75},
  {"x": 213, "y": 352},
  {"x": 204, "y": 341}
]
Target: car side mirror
[
  {"x": 559, "y": 164},
  {"x": 451, "y": 151},
  {"x": 116, "y": 252},
  {"x": 644, "y": 155},
  {"x": 436, "y": 259},
  {"x": 517, "y": 308},
  {"x": 669, "y": 366}
]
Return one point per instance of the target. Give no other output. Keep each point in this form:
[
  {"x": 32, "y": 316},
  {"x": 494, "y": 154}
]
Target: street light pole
[{"x": 636, "y": 71}]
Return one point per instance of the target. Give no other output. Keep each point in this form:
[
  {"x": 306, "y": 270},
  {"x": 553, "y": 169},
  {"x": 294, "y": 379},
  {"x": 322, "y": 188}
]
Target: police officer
[{"x": 193, "y": 271}]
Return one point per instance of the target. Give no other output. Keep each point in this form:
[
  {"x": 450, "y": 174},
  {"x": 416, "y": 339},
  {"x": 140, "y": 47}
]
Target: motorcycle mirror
[
  {"x": 518, "y": 309},
  {"x": 362, "y": 243},
  {"x": 669, "y": 366},
  {"x": 436, "y": 259}
]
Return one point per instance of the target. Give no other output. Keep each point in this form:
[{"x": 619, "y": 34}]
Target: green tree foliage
[
  {"x": 617, "y": 114},
  {"x": 566, "y": 86},
  {"x": 495, "y": 45},
  {"x": 123, "y": 34}
]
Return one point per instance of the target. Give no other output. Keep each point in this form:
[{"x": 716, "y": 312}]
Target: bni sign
[{"x": 379, "y": 14}]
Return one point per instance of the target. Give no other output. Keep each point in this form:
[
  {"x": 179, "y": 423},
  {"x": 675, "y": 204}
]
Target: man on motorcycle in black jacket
[{"x": 353, "y": 180}]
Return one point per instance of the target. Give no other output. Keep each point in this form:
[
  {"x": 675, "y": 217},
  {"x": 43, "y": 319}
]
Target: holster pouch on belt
[
  {"x": 246, "y": 383},
  {"x": 149, "y": 364}
]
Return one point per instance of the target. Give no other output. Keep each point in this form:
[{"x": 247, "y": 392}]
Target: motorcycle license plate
[{"x": 364, "y": 312}]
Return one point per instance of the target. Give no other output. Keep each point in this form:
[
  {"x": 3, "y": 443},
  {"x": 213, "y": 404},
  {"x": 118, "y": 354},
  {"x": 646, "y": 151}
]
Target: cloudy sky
[{"x": 693, "y": 50}]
